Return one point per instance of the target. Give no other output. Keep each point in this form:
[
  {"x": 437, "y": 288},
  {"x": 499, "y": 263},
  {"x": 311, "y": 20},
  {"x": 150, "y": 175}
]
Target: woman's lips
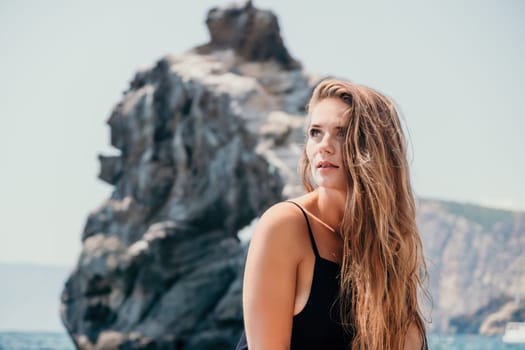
[{"x": 326, "y": 165}]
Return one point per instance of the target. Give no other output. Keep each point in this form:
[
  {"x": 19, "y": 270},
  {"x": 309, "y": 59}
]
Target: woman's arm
[
  {"x": 270, "y": 280},
  {"x": 413, "y": 340}
]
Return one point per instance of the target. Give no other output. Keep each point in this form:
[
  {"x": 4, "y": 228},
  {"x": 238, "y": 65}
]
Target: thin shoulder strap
[{"x": 314, "y": 246}]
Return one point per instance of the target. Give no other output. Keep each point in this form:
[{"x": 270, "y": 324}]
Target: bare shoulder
[
  {"x": 280, "y": 228},
  {"x": 283, "y": 214}
]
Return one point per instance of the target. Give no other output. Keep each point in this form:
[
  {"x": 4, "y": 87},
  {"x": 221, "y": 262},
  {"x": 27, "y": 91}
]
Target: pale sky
[{"x": 456, "y": 68}]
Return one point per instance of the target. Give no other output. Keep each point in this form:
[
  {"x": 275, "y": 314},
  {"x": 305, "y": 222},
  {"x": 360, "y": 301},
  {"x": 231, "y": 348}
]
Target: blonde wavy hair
[{"x": 383, "y": 269}]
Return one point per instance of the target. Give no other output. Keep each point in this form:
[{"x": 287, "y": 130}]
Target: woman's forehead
[{"x": 328, "y": 111}]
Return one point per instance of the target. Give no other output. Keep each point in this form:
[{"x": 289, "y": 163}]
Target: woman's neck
[{"x": 331, "y": 206}]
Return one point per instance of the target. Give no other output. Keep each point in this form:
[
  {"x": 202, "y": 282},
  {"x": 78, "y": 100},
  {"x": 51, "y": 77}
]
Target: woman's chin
[{"x": 329, "y": 184}]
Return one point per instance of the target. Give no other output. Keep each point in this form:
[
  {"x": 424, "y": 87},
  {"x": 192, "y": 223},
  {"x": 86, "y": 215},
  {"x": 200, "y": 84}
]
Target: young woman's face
[{"x": 326, "y": 136}]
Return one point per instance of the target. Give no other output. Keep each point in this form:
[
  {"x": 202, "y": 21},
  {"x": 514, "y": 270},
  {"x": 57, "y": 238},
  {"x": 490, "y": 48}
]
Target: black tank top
[{"x": 317, "y": 325}]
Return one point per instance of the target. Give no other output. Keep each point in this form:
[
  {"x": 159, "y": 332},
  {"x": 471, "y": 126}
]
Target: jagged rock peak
[
  {"x": 252, "y": 33},
  {"x": 205, "y": 142}
]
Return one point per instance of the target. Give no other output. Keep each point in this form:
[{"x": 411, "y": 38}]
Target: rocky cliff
[
  {"x": 476, "y": 260},
  {"x": 207, "y": 140}
]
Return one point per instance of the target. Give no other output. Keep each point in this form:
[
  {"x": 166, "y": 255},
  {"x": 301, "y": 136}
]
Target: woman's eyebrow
[{"x": 320, "y": 126}]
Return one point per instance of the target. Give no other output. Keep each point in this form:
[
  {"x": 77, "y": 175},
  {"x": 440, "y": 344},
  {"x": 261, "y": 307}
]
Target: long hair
[{"x": 382, "y": 268}]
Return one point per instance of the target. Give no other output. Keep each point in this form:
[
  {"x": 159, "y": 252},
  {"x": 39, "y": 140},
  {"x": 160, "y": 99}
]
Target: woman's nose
[{"x": 326, "y": 144}]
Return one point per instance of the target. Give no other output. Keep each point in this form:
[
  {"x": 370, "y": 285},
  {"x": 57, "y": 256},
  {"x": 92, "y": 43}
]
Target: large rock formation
[{"x": 207, "y": 140}]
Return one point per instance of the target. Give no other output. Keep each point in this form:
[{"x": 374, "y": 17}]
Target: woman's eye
[
  {"x": 314, "y": 132},
  {"x": 341, "y": 132}
]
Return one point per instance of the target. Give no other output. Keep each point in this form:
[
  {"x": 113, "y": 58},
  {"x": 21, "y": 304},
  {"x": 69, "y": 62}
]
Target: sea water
[
  {"x": 469, "y": 342},
  {"x": 60, "y": 341},
  {"x": 35, "y": 341}
]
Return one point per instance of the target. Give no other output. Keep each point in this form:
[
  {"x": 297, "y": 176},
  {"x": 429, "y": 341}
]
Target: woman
[{"x": 339, "y": 267}]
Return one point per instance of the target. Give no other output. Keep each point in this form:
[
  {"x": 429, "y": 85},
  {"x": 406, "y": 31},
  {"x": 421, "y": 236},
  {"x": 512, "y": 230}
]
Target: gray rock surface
[
  {"x": 207, "y": 141},
  {"x": 252, "y": 33},
  {"x": 475, "y": 257}
]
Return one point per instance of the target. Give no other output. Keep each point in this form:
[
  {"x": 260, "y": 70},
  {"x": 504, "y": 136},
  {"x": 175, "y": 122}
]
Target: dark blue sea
[{"x": 60, "y": 341}]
